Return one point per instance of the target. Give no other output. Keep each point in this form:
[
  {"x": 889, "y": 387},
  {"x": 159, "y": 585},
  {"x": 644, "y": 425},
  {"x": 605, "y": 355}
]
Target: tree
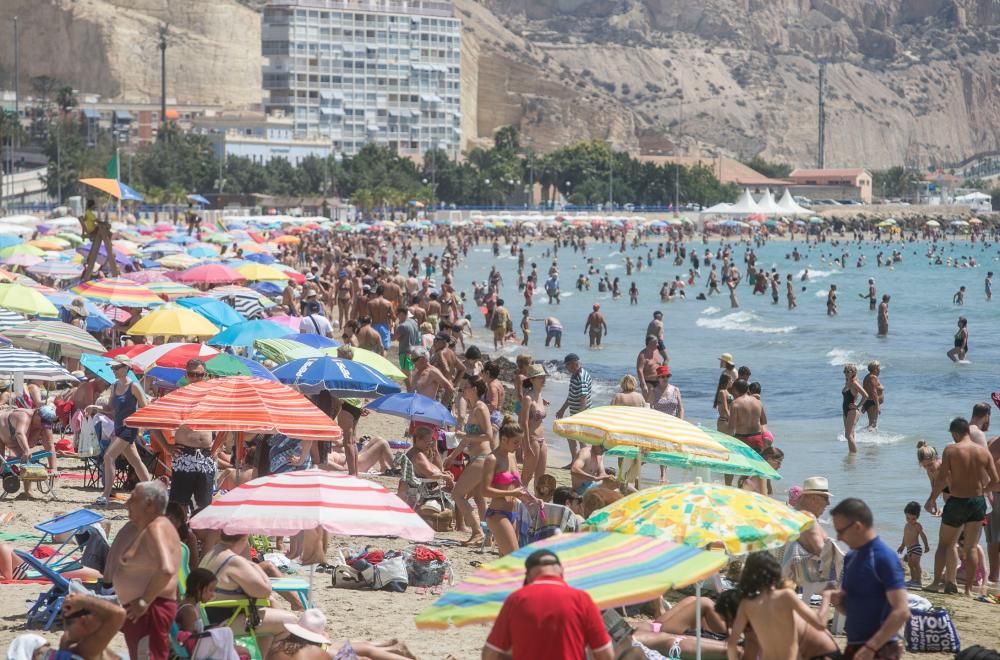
[
  {"x": 894, "y": 182},
  {"x": 66, "y": 100},
  {"x": 769, "y": 169}
]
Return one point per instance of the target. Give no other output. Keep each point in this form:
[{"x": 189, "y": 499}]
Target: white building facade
[
  {"x": 361, "y": 71},
  {"x": 260, "y": 138}
]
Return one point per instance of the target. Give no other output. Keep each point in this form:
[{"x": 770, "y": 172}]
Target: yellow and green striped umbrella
[
  {"x": 24, "y": 299},
  {"x": 39, "y": 335},
  {"x": 615, "y": 569},
  {"x": 285, "y": 350},
  {"x": 702, "y": 515},
  {"x": 644, "y": 428}
]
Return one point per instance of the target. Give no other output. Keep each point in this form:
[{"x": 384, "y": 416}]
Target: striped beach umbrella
[
  {"x": 288, "y": 503},
  {"x": 118, "y": 291},
  {"x": 283, "y": 349},
  {"x": 41, "y": 335},
  {"x": 240, "y": 403},
  {"x": 615, "y": 569},
  {"x": 9, "y": 319},
  {"x": 702, "y": 514},
  {"x": 172, "y": 354},
  {"x": 373, "y": 360},
  {"x": 167, "y": 288},
  {"x": 26, "y": 300},
  {"x": 57, "y": 270},
  {"x": 33, "y": 366},
  {"x": 645, "y": 428}
]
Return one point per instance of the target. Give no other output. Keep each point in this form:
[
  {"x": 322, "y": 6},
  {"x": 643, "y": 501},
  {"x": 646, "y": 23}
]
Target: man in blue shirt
[{"x": 873, "y": 591}]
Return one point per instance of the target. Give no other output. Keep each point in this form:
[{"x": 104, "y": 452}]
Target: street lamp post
[
  {"x": 611, "y": 175},
  {"x": 163, "y": 82}
]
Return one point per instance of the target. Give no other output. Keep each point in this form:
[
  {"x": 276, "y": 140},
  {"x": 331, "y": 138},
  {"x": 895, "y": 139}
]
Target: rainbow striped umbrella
[
  {"x": 118, "y": 291},
  {"x": 39, "y": 335},
  {"x": 702, "y": 514},
  {"x": 645, "y": 428},
  {"x": 167, "y": 288},
  {"x": 240, "y": 403},
  {"x": 288, "y": 503},
  {"x": 615, "y": 569}
]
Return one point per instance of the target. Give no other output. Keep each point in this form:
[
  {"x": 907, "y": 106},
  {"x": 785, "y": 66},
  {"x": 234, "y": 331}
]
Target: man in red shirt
[{"x": 547, "y": 618}]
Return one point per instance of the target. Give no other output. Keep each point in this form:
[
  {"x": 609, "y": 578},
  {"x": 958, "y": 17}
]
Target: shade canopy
[
  {"x": 341, "y": 378},
  {"x": 32, "y": 366},
  {"x": 173, "y": 321},
  {"x": 42, "y": 335},
  {"x": 644, "y": 428}
]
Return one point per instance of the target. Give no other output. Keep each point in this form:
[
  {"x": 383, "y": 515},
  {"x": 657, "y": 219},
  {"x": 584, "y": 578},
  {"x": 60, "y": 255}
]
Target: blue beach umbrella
[
  {"x": 245, "y": 333},
  {"x": 6, "y": 240},
  {"x": 314, "y": 341},
  {"x": 342, "y": 378},
  {"x": 214, "y": 310},
  {"x": 415, "y": 407},
  {"x": 97, "y": 320},
  {"x": 102, "y": 367},
  {"x": 267, "y": 288},
  {"x": 260, "y": 257},
  {"x": 198, "y": 199}
]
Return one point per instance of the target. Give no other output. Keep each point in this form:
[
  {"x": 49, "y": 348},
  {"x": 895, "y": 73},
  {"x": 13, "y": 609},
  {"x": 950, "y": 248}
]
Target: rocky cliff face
[
  {"x": 910, "y": 81},
  {"x": 111, "y": 47}
]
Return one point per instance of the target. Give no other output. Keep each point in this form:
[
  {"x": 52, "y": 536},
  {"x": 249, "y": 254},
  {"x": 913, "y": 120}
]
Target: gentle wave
[
  {"x": 865, "y": 437},
  {"x": 708, "y": 311},
  {"x": 841, "y": 356},
  {"x": 742, "y": 321},
  {"x": 816, "y": 274}
]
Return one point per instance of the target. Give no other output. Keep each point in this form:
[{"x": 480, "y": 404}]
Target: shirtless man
[
  {"x": 380, "y": 311},
  {"x": 446, "y": 361},
  {"x": 747, "y": 417},
  {"x": 587, "y": 470},
  {"x": 23, "y": 428},
  {"x": 596, "y": 327},
  {"x": 143, "y": 563},
  {"x": 883, "y": 316},
  {"x": 874, "y": 394},
  {"x": 425, "y": 379},
  {"x": 646, "y": 364},
  {"x": 979, "y": 424},
  {"x": 393, "y": 292},
  {"x": 968, "y": 471},
  {"x": 368, "y": 337},
  {"x": 656, "y": 328}
]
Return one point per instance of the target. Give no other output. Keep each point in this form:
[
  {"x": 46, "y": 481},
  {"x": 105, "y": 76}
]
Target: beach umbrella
[
  {"x": 213, "y": 309},
  {"x": 932, "y": 223},
  {"x": 198, "y": 199},
  {"x": 414, "y": 407},
  {"x": 46, "y": 336},
  {"x": 7, "y": 276},
  {"x": 71, "y": 238},
  {"x": 246, "y": 332},
  {"x": 373, "y": 360},
  {"x": 342, "y": 378},
  {"x": 254, "y": 272},
  {"x": 22, "y": 249},
  {"x": 57, "y": 270},
  {"x": 173, "y": 321},
  {"x": 210, "y": 274},
  {"x": 283, "y": 349},
  {"x": 173, "y": 354},
  {"x": 292, "y": 323},
  {"x": 147, "y": 276},
  {"x": 742, "y": 460},
  {"x": 118, "y": 291},
  {"x": 31, "y": 365},
  {"x": 702, "y": 514},
  {"x": 179, "y": 261},
  {"x": 241, "y": 404},
  {"x": 318, "y": 342},
  {"x": 288, "y": 503},
  {"x": 113, "y": 187},
  {"x": 219, "y": 366},
  {"x": 21, "y": 260},
  {"x": 50, "y": 243},
  {"x": 168, "y": 288},
  {"x": 644, "y": 428},
  {"x": 10, "y": 318},
  {"x": 26, "y": 300},
  {"x": 162, "y": 248},
  {"x": 101, "y": 367},
  {"x": 614, "y": 569}
]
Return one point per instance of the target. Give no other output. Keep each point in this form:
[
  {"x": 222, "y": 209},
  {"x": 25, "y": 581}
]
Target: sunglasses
[{"x": 196, "y": 374}]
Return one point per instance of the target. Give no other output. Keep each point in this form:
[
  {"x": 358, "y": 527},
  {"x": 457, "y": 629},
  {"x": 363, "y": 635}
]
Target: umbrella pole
[{"x": 697, "y": 619}]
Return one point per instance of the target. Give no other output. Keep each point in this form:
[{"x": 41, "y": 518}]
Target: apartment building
[{"x": 361, "y": 71}]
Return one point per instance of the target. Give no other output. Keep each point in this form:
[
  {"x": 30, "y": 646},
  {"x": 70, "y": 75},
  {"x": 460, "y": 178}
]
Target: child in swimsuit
[
  {"x": 502, "y": 484},
  {"x": 913, "y": 534}
]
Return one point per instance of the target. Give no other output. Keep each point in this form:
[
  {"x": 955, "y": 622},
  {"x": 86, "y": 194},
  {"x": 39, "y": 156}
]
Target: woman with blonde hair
[
  {"x": 854, "y": 395},
  {"x": 628, "y": 396}
]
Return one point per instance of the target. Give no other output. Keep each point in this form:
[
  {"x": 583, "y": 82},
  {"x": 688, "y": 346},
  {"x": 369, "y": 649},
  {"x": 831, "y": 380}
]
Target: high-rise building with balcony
[{"x": 360, "y": 71}]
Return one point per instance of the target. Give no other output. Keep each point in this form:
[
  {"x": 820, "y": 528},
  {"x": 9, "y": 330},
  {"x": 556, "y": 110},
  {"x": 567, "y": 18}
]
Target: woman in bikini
[
  {"x": 344, "y": 295},
  {"x": 532, "y": 419},
  {"x": 853, "y": 393},
  {"x": 722, "y": 400},
  {"x": 476, "y": 441},
  {"x": 961, "y": 341},
  {"x": 502, "y": 484}
]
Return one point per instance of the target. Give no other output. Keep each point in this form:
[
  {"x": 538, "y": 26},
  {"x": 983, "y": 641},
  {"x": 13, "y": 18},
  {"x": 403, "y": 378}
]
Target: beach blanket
[{"x": 18, "y": 536}]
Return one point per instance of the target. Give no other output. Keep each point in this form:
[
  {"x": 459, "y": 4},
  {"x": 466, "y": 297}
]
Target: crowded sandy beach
[{"x": 275, "y": 437}]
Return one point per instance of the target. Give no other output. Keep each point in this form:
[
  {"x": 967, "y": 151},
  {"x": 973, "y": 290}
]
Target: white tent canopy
[
  {"x": 745, "y": 205},
  {"x": 788, "y": 206},
  {"x": 766, "y": 204},
  {"x": 719, "y": 209},
  {"x": 973, "y": 197}
]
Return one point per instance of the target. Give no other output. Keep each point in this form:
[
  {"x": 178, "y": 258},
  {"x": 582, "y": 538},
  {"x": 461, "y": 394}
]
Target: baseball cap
[{"x": 541, "y": 558}]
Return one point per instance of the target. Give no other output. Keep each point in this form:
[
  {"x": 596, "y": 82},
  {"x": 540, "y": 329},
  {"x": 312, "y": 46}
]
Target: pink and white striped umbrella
[{"x": 288, "y": 503}]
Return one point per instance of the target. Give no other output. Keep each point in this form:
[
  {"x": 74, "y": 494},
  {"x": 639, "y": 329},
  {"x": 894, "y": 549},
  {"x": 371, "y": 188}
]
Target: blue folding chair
[
  {"x": 62, "y": 559},
  {"x": 47, "y": 607}
]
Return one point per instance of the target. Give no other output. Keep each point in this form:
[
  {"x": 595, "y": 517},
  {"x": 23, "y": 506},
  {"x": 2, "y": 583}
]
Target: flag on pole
[{"x": 112, "y": 167}]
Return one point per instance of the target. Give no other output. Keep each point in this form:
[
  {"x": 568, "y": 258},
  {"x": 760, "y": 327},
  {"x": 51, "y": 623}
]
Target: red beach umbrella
[{"x": 210, "y": 274}]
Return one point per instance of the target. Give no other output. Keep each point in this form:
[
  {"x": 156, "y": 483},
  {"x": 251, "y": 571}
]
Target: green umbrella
[
  {"x": 743, "y": 461},
  {"x": 285, "y": 350}
]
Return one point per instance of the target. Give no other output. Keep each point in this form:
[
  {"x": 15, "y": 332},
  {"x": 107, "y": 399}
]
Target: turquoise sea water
[{"x": 796, "y": 355}]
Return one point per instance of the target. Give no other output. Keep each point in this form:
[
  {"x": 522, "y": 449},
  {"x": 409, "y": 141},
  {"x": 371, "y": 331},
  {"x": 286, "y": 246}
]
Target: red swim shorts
[{"x": 154, "y": 625}]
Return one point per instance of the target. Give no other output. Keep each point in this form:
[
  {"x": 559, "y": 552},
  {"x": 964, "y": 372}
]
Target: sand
[{"x": 367, "y": 614}]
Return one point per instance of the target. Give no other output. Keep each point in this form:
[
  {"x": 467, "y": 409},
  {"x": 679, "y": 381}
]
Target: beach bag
[
  {"x": 345, "y": 577},
  {"x": 90, "y": 444},
  {"x": 390, "y": 574},
  {"x": 427, "y": 568},
  {"x": 931, "y": 630}
]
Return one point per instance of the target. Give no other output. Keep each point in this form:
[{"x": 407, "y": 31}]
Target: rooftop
[
  {"x": 847, "y": 171},
  {"x": 442, "y": 8}
]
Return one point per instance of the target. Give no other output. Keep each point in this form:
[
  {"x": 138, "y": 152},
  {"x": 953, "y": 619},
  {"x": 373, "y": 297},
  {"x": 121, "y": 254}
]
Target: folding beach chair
[
  {"x": 241, "y": 606},
  {"x": 293, "y": 585},
  {"x": 63, "y": 559},
  {"x": 46, "y": 608}
]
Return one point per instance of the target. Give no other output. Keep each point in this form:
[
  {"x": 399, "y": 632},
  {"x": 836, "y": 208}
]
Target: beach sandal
[
  {"x": 930, "y": 589},
  {"x": 475, "y": 563},
  {"x": 101, "y": 501},
  {"x": 951, "y": 588}
]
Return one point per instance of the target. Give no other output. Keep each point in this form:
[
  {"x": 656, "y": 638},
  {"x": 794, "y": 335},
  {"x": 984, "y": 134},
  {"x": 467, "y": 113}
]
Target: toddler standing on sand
[{"x": 913, "y": 534}]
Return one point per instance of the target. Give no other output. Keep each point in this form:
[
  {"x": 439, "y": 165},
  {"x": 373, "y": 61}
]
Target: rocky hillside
[{"x": 910, "y": 81}]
